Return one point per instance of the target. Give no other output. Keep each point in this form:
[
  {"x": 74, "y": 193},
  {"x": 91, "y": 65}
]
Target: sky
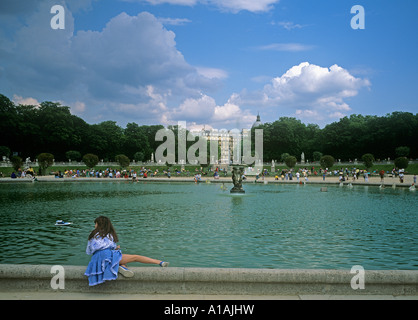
[{"x": 211, "y": 63}]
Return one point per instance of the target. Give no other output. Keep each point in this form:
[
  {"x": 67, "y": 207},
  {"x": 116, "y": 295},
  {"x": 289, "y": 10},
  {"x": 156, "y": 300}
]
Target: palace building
[{"x": 229, "y": 142}]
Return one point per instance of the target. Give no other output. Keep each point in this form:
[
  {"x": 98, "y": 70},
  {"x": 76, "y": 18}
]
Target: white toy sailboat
[{"x": 62, "y": 223}]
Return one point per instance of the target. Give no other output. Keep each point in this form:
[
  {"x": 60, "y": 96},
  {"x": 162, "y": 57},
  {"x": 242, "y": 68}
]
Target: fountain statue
[{"x": 237, "y": 172}]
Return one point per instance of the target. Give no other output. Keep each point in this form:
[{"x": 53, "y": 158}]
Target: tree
[
  {"x": 9, "y": 120},
  {"x": 45, "y": 160},
  {"x": 283, "y": 156},
  {"x": 368, "y": 159},
  {"x": 135, "y": 140},
  {"x": 139, "y": 156},
  {"x": 327, "y": 161},
  {"x": 287, "y": 135},
  {"x": 16, "y": 162},
  {"x": 106, "y": 139},
  {"x": 402, "y": 151},
  {"x": 401, "y": 162},
  {"x": 56, "y": 128},
  {"x": 29, "y": 131},
  {"x": 4, "y": 152},
  {"x": 74, "y": 155},
  {"x": 150, "y": 132},
  {"x": 290, "y": 161},
  {"x": 90, "y": 160},
  {"x": 50, "y": 127},
  {"x": 122, "y": 160},
  {"x": 317, "y": 156},
  {"x": 337, "y": 138}
]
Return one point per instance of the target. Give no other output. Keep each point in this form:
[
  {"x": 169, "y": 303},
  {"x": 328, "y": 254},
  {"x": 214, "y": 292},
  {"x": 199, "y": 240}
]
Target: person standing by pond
[
  {"x": 107, "y": 259},
  {"x": 382, "y": 176},
  {"x": 401, "y": 175}
]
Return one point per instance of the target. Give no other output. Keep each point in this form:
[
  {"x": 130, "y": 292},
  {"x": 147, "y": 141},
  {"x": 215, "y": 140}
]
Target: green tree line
[
  {"x": 391, "y": 136},
  {"x": 51, "y": 128}
]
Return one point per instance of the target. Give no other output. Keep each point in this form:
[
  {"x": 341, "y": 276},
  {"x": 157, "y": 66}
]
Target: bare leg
[{"x": 127, "y": 258}]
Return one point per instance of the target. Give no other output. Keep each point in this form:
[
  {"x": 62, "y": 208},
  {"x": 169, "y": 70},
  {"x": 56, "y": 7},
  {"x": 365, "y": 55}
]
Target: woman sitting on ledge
[{"x": 107, "y": 259}]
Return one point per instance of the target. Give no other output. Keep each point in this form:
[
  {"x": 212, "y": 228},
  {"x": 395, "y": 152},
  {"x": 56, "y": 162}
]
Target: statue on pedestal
[{"x": 237, "y": 172}]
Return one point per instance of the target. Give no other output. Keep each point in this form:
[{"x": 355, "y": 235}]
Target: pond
[{"x": 202, "y": 225}]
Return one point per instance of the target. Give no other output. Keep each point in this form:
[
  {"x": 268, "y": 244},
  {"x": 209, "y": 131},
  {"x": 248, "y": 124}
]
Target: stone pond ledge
[{"x": 213, "y": 281}]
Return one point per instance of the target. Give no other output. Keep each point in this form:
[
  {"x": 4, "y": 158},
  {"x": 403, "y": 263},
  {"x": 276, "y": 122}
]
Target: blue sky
[{"x": 211, "y": 63}]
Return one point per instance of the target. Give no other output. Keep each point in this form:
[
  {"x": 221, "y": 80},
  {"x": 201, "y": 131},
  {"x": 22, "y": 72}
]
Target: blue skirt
[{"x": 103, "y": 266}]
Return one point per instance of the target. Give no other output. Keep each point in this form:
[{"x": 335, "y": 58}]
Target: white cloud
[
  {"x": 248, "y": 5},
  {"x": 79, "y": 107},
  {"x": 309, "y": 90},
  {"x": 25, "y": 101},
  {"x": 131, "y": 67},
  {"x": 196, "y": 109},
  {"x": 205, "y": 111},
  {"x": 309, "y": 115},
  {"x": 132, "y": 71},
  {"x": 131, "y": 50},
  {"x": 324, "y": 86},
  {"x": 154, "y": 106},
  {"x": 212, "y": 73},
  {"x": 233, "y": 6},
  {"x": 227, "y": 112},
  {"x": 174, "y": 2},
  {"x": 288, "y": 25},
  {"x": 291, "y": 47},
  {"x": 174, "y": 21},
  {"x": 232, "y": 115}
]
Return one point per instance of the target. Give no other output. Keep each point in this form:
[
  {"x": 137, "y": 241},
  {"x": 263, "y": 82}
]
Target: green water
[{"x": 201, "y": 225}]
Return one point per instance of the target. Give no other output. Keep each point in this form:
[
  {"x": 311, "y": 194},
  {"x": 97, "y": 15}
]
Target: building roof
[{"x": 258, "y": 122}]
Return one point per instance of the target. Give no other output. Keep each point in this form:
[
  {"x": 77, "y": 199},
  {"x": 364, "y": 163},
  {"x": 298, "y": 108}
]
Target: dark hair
[{"x": 104, "y": 228}]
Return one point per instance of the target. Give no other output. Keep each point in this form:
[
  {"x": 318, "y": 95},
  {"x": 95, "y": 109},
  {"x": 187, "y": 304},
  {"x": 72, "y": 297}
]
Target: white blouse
[{"x": 98, "y": 243}]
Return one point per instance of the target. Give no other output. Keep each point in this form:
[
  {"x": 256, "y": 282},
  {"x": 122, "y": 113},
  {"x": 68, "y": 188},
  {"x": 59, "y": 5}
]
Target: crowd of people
[
  {"x": 27, "y": 173},
  {"x": 107, "y": 173},
  {"x": 343, "y": 174},
  {"x": 133, "y": 174}
]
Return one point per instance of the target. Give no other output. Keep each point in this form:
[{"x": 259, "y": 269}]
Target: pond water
[{"x": 203, "y": 225}]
